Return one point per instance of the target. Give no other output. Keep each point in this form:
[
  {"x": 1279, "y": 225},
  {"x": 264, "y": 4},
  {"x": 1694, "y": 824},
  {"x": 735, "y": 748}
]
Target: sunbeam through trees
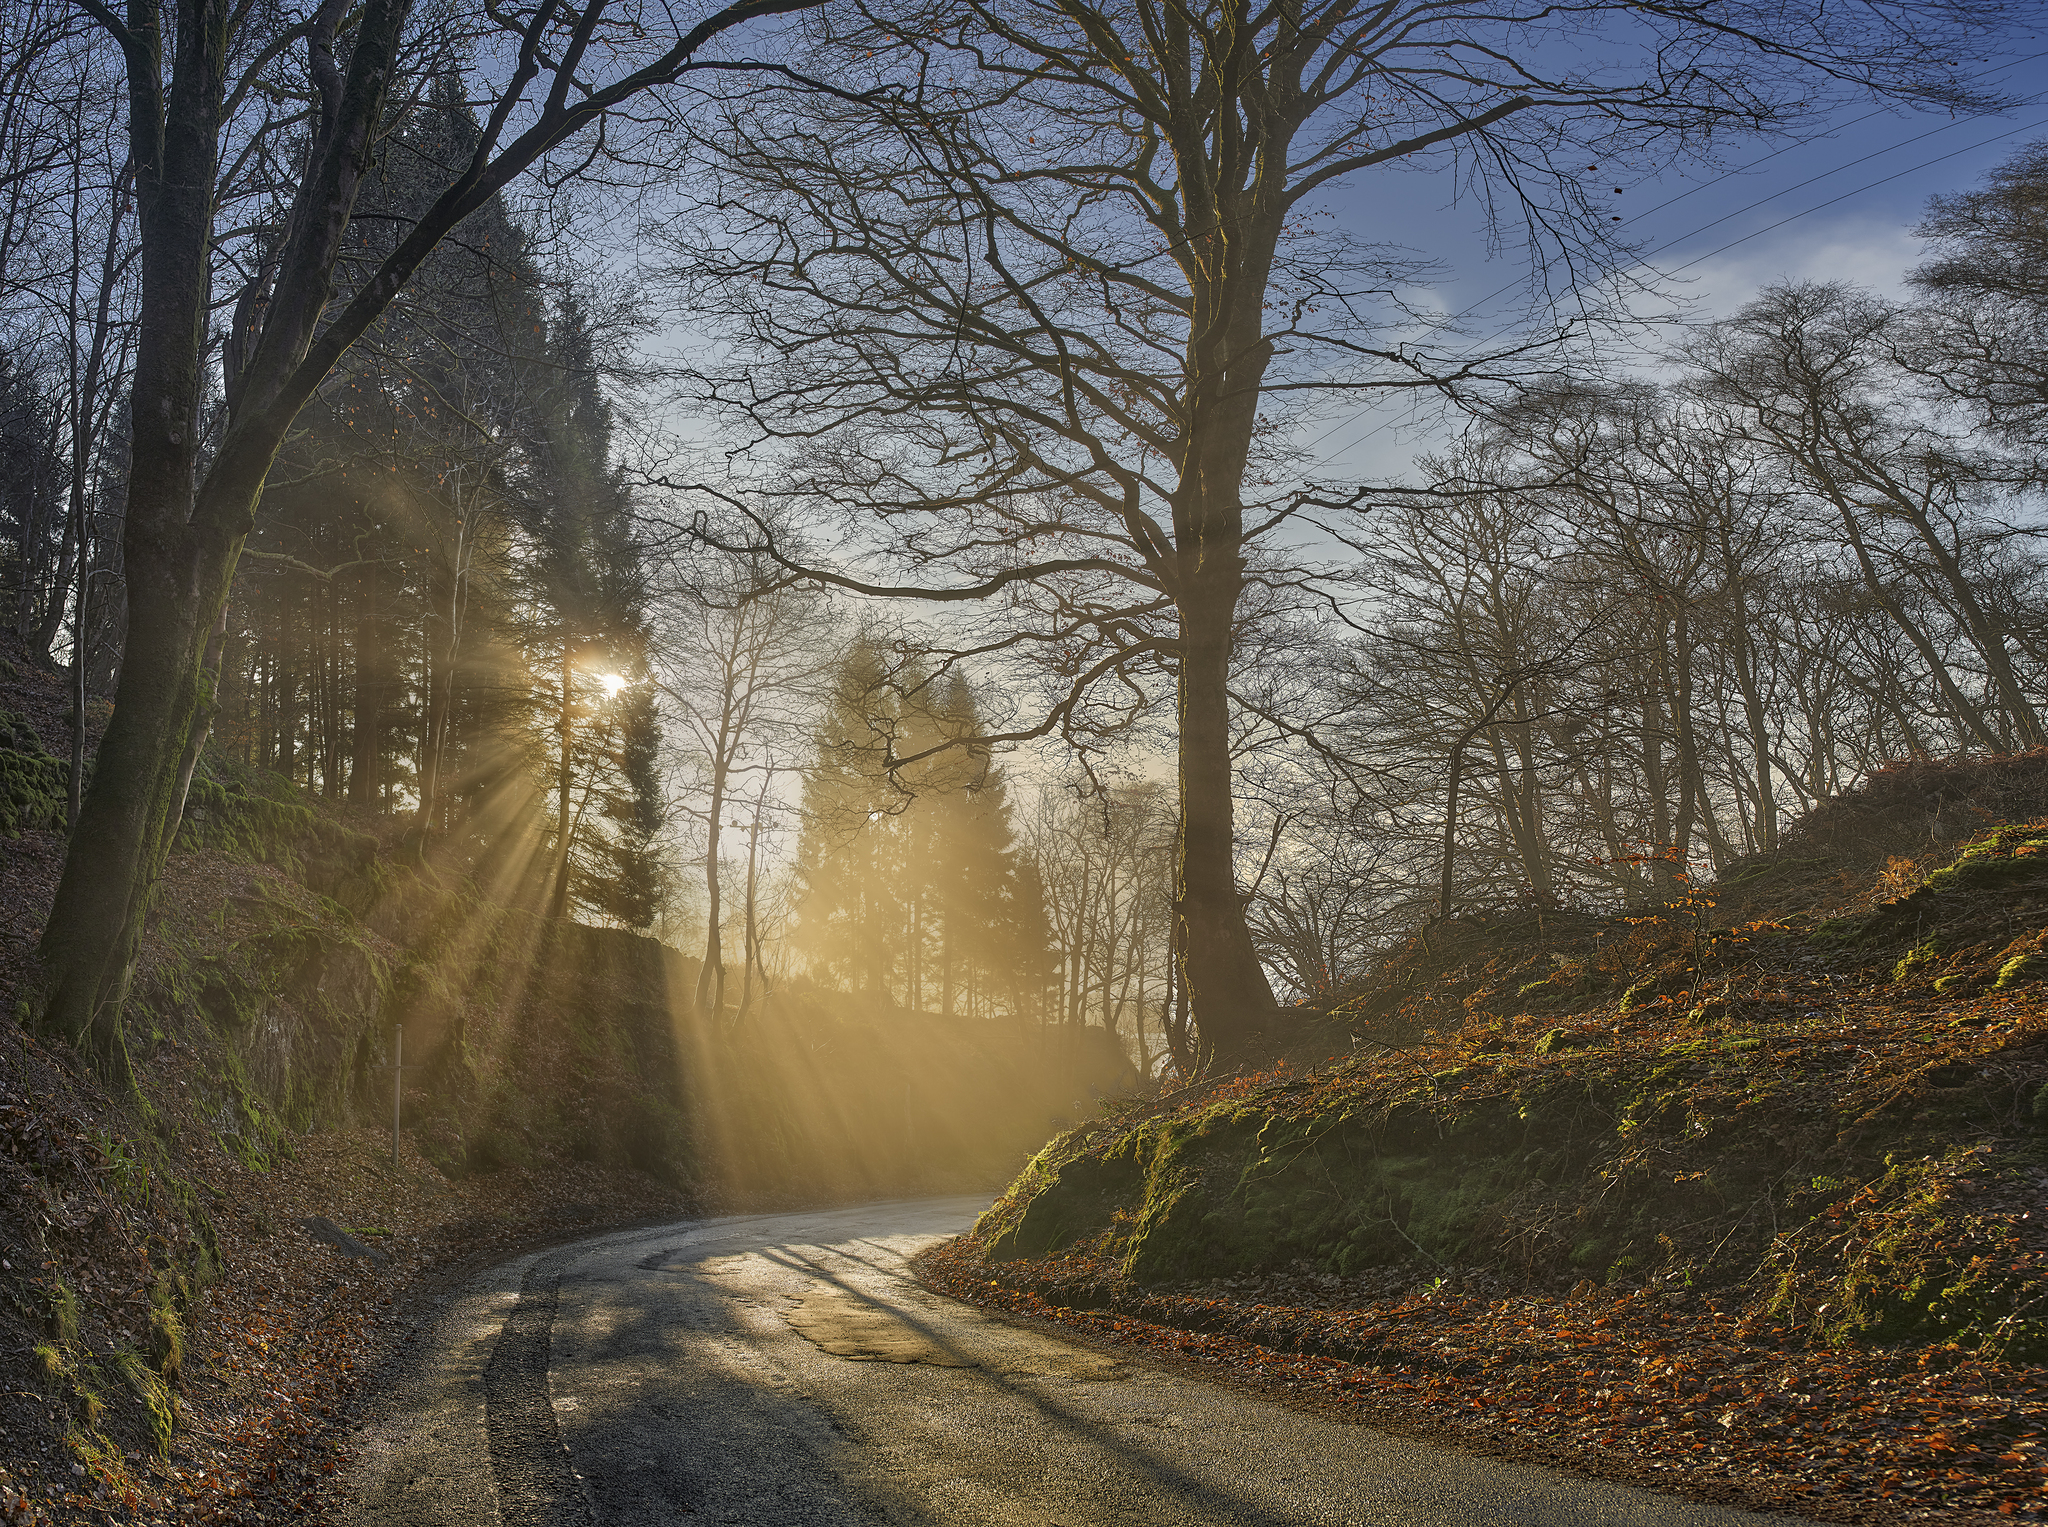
[{"x": 613, "y": 611}]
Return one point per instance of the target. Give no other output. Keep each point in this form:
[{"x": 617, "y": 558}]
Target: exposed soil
[{"x": 281, "y": 1342}]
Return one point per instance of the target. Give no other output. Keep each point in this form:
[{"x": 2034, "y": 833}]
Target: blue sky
[{"x": 1838, "y": 207}]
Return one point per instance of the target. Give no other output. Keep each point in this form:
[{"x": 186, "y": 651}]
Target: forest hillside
[
  {"x": 1704, "y": 1187},
  {"x": 193, "y": 1278}
]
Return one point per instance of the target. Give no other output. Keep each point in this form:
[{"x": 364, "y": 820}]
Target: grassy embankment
[{"x": 1744, "y": 1189}]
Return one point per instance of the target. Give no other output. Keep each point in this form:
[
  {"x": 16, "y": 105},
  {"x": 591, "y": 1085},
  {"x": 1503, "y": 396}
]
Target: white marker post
[{"x": 397, "y": 1084}]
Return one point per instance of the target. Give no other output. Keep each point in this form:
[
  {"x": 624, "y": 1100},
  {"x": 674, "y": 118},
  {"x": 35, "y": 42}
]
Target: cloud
[{"x": 1869, "y": 251}]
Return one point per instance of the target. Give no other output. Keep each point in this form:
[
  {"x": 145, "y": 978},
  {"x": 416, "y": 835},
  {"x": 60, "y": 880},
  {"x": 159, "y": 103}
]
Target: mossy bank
[{"x": 1840, "y": 1118}]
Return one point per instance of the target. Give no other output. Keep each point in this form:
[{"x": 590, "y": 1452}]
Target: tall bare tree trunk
[
  {"x": 750, "y": 937},
  {"x": 1684, "y": 741},
  {"x": 1227, "y": 359},
  {"x": 1234, "y": 1005},
  {"x": 711, "y": 974},
  {"x": 1743, "y": 661},
  {"x": 123, "y": 831},
  {"x": 442, "y": 603},
  {"x": 130, "y": 811},
  {"x": 365, "y": 787},
  {"x": 565, "y": 824}
]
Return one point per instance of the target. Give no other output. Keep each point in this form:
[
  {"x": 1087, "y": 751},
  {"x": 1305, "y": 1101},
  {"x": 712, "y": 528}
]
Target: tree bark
[
  {"x": 1684, "y": 741},
  {"x": 1743, "y": 662},
  {"x": 1227, "y": 357},
  {"x": 127, "y": 817},
  {"x": 711, "y": 974},
  {"x": 750, "y": 937},
  {"x": 202, "y": 716},
  {"x": 366, "y": 737},
  {"x": 1233, "y": 1004},
  {"x": 442, "y": 651}
]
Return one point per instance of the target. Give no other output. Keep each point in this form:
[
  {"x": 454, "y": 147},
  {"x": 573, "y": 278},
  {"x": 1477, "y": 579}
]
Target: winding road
[{"x": 787, "y": 1371}]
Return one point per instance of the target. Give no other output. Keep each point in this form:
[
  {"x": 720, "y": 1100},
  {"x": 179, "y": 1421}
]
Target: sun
[{"x": 613, "y": 683}]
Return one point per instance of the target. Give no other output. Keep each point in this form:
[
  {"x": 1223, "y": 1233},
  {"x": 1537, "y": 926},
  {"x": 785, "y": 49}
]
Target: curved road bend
[{"x": 785, "y": 1371}]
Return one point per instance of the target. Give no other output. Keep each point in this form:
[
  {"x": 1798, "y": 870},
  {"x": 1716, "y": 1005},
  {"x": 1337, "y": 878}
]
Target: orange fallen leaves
[{"x": 1714, "y": 1395}]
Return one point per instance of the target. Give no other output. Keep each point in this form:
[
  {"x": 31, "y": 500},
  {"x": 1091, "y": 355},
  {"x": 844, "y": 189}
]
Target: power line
[
  {"x": 1732, "y": 243},
  {"x": 1818, "y": 206},
  {"x": 1890, "y": 148},
  {"x": 1837, "y": 128}
]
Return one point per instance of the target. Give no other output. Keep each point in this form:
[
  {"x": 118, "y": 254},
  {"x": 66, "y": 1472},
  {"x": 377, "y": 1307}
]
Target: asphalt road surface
[{"x": 786, "y": 1371}]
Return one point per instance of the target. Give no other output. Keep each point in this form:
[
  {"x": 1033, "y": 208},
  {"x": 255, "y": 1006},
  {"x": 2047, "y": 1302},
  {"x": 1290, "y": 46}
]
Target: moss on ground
[
  {"x": 33, "y": 781},
  {"x": 246, "y": 813},
  {"x": 1834, "y": 1115},
  {"x": 1235, "y": 1188}
]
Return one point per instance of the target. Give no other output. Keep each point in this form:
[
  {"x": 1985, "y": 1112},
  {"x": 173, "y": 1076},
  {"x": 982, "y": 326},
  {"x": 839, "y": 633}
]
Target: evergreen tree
[
  {"x": 592, "y": 597},
  {"x": 624, "y": 878},
  {"x": 845, "y": 867},
  {"x": 444, "y": 602},
  {"x": 31, "y": 493},
  {"x": 352, "y": 616},
  {"x": 911, "y": 886}
]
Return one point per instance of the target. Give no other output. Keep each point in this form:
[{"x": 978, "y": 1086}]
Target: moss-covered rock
[
  {"x": 1916, "y": 962},
  {"x": 2002, "y": 857},
  {"x": 2027, "y": 965},
  {"x": 1087, "y": 1191},
  {"x": 1236, "y": 1189},
  {"x": 246, "y": 813},
  {"x": 1343, "y": 1193},
  {"x": 33, "y": 781}
]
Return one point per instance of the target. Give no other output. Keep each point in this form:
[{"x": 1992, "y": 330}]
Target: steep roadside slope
[
  {"x": 1745, "y": 1191},
  {"x": 174, "y": 1330}
]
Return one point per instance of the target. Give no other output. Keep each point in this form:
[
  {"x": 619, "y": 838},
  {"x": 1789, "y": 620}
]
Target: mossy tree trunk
[{"x": 185, "y": 529}]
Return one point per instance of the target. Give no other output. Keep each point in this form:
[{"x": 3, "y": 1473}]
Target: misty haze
[{"x": 955, "y": 762}]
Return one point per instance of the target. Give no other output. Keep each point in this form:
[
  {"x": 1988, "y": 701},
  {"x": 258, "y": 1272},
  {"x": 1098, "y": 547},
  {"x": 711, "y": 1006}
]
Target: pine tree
[
  {"x": 625, "y": 880},
  {"x": 351, "y": 620},
  {"x": 912, "y": 889},
  {"x": 845, "y": 866},
  {"x": 591, "y": 591}
]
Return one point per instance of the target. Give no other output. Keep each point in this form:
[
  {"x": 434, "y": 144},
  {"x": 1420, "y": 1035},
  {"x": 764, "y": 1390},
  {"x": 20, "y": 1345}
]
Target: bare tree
[
  {"x": 67, "y": 295},
  {"x": 1806, "y": 374},
  {"x": 1980, "y": 334},
  {"x": 1036, "y": 324},
  {"x": 1104, "y": 859},
  {"x": 201, "y": 76},
  {"x": 1622, "y": 629},
  {"x": 742, "y": 677}
]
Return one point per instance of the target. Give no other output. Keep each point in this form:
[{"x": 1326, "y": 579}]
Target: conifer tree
[
  {"x": 591, "y": 597},
  {"x": 624, "y": 881},
  {"x": 348, "y": 626},
  {"x": 911, "y": 885},
  {"x": 843, "y": 862}
]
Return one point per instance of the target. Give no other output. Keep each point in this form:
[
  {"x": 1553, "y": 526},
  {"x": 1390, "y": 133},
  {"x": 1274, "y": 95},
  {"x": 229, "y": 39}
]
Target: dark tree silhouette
[
  {"x": 201, "y": 75},
  {"x": 1036, "y": 319}
]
